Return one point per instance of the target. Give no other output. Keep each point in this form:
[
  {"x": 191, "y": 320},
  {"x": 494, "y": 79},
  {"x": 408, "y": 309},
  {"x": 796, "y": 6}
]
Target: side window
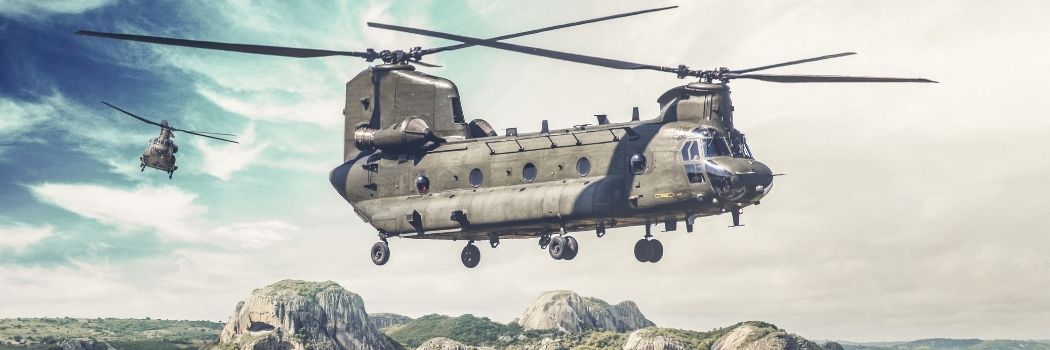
[
  {"x": 637, "y": 164},
  {"x": 422, "y": 184},
  {"x": 476, "y": 178},
  {"x": 528, "y": 173},
  {"x": 583, "y": 167}
]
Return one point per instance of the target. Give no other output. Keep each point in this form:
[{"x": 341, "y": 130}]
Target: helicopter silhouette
[
  {"x": 415, "y": 167},
  {"x": 160, "y": 151}
]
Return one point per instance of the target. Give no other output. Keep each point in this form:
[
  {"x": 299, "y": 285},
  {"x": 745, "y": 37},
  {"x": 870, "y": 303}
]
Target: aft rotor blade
[
  {"x": 565, "y": 56},
  {"x": 545, "y": 29},
  {"x": 212, "y": 45},
  {"x": 776, "y": 78},
  {"x": 805, "y": 60},
  {"x": 199, "y": 134},
  {"x": 132, "y": 114}
]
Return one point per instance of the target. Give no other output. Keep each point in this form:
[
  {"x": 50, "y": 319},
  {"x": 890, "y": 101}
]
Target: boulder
[
  {"x": 302, "y": 315},
  {"x": 761, "y": 336},
  {"x": 651, "y": 339},
  {"x": 569, "y": 312},
  {"x": 442, "y": 343}
]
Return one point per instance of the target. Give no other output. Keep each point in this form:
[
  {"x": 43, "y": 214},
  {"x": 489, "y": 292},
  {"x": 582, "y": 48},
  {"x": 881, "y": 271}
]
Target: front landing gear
[
  {"x": 380, "y": 253},
  {"x": 648, "y": 249},
  {"x": 563, "y": 247},
  {"x": 471, "y": 255}
]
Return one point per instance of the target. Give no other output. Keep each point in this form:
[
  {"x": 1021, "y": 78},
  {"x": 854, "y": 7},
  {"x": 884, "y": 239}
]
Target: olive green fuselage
[{"x": 578, "y": 179}]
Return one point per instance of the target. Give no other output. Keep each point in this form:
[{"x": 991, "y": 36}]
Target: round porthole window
[
  {"x": 583, "y": 166},
  {"x": 423, "y": 184},
  {"x": 528, "y": 173},
  {"x": 637, "y": 164},
  {"x": 476, "y": 178}
]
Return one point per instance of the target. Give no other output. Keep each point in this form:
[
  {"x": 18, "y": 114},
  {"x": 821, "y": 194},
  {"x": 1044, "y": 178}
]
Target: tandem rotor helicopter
[
  {"x": 415, "y": 167},
  {"x": 160, "y": 152}
]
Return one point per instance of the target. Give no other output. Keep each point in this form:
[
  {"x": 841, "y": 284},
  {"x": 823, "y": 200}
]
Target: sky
[{"x": 908, "y": 210}]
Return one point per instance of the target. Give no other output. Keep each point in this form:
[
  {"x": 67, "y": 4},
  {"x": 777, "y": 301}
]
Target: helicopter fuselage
[
  {"x": 160, "y": 152},
  {"x": 686, "y": 163}
]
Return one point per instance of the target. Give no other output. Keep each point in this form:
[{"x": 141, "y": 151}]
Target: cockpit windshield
[
  {"x": 738, "y": 145},
  {"x": 715, "y": 147}
]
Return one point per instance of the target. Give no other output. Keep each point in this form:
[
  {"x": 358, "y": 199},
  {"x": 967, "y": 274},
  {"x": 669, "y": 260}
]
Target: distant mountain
[
  {"x": 323, "y": 315},
  {"x": 569, "y": 312}
]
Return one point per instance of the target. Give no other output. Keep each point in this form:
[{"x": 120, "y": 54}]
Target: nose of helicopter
[{"x": 740, "y": 180}]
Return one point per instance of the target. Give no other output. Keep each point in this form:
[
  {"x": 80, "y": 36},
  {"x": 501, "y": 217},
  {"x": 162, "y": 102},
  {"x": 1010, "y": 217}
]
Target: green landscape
[{"x": 134, "y": 334}]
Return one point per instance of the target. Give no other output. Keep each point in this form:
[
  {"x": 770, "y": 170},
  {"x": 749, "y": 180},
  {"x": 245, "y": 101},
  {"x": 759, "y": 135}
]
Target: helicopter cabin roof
[{"x": 697, "y": 88}]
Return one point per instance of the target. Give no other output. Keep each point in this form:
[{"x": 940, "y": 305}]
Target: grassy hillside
[{"x": 44, "y": 333}]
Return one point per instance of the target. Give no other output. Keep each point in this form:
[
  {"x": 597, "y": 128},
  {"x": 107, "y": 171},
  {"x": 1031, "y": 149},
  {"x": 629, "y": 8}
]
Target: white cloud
[
  {"x": 36, "y": 9},
  {"x": 18, "y": 236},
  {"x": 170, "y": 212},
  {"x": 254, "y": 235},
  {"x": 166, "y": 209},
  {"x": 222, "y": 159},
  {"x": 17, "y": 117}
]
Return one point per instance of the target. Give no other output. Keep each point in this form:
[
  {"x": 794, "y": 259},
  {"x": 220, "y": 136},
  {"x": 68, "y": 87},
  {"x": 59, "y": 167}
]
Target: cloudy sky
[{"x": 908, "y": 211}]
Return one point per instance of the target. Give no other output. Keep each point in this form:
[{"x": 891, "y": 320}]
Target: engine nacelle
[{"x": 408, "y": 135}]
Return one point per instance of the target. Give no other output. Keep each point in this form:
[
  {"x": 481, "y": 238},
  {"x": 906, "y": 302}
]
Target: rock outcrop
[
  {"x": 651, "y": 339},
  {"x": 302, "y": 315},
  {"x": 384, "y": 320},
  {"x": 77, "y": 344},
  {"x": 761, "y": 336},
  {"x": 569, "y": 312},
  {"x": 833, "y": 346},
  {"x": 443, "y": 343}
]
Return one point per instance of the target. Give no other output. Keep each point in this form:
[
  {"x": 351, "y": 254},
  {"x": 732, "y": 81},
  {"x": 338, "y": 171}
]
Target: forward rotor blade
[
  {"x": 210, "y": 133},
  {"x": 545, "y": 29},
  {"x": 132, "y": 114},
  {"x": 424, "y": 64},
  {"x": 565, "y": 56},
  {"x": 212, "y": 45},
  {"x": 198, "y": 134},
  {"x": 805, "y": 60},
  {"x": 776, "y": 78}
]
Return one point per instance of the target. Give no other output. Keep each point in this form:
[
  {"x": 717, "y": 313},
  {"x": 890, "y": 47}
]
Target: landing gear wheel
[
  {"x": 643, "y": 250},
  {"x": 544, "y": 241},
  {"x": 142, "y": 167},
  {"x": 380, "y": 253},
  {"x": 170, "y": 173},
  {"x": 657, "y": 251},
  {"x": 470, "y": 256},
  {"x": 571, "y": 248},
  {"x": 557, "y": 248}
]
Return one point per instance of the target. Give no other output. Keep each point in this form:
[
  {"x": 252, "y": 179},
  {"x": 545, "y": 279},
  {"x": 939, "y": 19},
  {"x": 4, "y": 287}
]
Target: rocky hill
[
  {"x": 322, "y": 315},
  {"x": 569, "y": 312},
  {"x": 302, "y": 315}
]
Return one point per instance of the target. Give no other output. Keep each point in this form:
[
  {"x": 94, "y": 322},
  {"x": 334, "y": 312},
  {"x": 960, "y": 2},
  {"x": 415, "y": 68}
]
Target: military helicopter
[
  {"x": 160, "y": 151},
  {"x": 414, "y": 167}
]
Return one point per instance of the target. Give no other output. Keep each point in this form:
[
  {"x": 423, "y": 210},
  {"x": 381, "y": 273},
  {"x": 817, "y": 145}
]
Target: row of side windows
[{"x": 528, "y": 174}]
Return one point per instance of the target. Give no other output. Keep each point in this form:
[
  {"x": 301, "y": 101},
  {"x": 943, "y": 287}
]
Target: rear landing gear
[
  {"x": 471, "y": 255},
  {"x": 563, "y": 247},
  {"x": 648, "y": 249}
]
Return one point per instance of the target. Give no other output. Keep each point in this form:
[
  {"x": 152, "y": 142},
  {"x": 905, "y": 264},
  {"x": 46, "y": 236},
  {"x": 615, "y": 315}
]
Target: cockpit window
[
  {"x": 715, "y": 147},
  {"x": 691, "y": 151},
  {"x": 738, "y": 145}
]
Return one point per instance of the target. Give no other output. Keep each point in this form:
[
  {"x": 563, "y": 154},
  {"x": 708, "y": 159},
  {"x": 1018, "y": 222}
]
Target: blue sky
[{"x": 908, "y": 211}]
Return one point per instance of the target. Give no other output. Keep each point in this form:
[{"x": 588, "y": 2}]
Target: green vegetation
[
  {"x": 45, "y": 333},
  {"x": 467, "y": 329},
  {"x": 303, "y": 288}
]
